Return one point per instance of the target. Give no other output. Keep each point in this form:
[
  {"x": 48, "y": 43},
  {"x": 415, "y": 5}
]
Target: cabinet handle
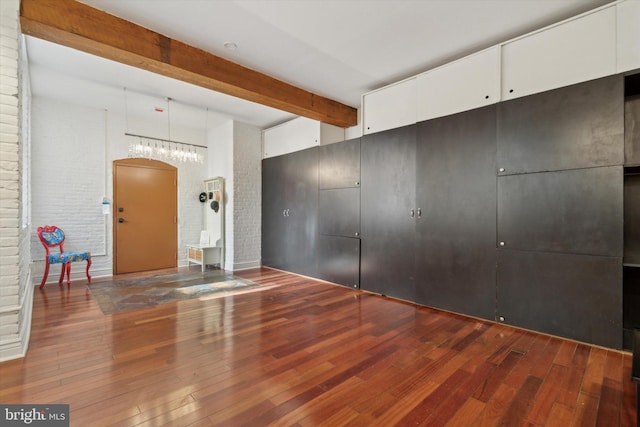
[
  {"x": 412, "y": 213},
  {"x": 288, "y": 212},
  {"x": 501, "y": 170},
  {"x": 357, "y": 234},
  {"x": 502, "y": 243},
  {"x": 419, "y": 213},
  {"x": 284, "y": 212},
  {"x": 357, "y": 182}
]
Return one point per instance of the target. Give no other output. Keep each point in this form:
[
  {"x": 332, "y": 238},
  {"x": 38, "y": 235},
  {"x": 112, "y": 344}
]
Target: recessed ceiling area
[{"x": 337, "y": 49}]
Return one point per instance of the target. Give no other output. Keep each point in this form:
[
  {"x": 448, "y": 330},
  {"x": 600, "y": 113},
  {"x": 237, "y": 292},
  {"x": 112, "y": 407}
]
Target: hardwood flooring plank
[
  {"x": 565, "y": 354},
  {"x": 522, "y": 402},
  {"x": 302, "y": 352},
  {"x": 496, "y": 406},
  {"x": 610, "y": 401},
  {"x": 559, "y": 416},
  {"x": 542, "y": 366},
  {"x": 497, "y": 377},
  {"x": 627, "y": 415},
  {"x": 467, "y": 414},
  {"x": 547, "y": 393},
  {"x": 424, "y": 409},
  {"x": 462, "y": 394},
  {"x": 594, "y": 373}
]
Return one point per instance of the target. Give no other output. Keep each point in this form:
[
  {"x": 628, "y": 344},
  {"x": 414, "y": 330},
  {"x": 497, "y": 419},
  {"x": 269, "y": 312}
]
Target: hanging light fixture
[{"x": 162, "y": 149}]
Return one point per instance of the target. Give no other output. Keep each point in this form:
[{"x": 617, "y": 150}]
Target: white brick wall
[
  {"x": 68, "y": 180},
  {"x": 247, "y": 190},
  {"x": 73, "y": 152},
  {"x": 15, "y": 290},
  {"x": 235, "y": 153},
  {"x": 220, "y": 162}
]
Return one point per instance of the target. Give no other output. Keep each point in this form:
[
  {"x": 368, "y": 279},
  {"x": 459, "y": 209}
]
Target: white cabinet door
[
  {"x": 628, "y": 35},
  {"x": 471, "y": 82},
  {"x": 298, "y": 134},
  {"x": 389, "y": 107},
  {"x": 574, "y": 51},
  {"x": 294, "y": 135}
]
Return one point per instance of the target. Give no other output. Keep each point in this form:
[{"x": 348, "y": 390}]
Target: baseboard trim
[
  {"x": 247, "y": 265},
  {"x": 17, "y": 348}
]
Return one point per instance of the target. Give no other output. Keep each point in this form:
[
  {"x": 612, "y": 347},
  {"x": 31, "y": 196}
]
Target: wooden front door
[{"x": 145, "y": 217}]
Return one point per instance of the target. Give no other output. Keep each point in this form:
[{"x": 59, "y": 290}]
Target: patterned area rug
[{"x": 120, "y": 295}]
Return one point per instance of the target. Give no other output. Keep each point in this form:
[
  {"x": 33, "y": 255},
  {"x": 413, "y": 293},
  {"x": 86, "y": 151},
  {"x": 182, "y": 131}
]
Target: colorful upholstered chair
[{"x": 51, "y": 237}]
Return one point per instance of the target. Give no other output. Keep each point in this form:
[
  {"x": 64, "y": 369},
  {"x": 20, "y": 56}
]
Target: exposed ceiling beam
[{"x": 76, "y": 25}]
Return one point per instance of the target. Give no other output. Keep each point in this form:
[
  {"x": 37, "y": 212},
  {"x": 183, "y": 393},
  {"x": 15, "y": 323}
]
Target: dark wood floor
[{"x": 306, "y": 353}]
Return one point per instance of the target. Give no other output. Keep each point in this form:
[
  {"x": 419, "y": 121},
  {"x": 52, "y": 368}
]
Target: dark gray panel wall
[
  {"x": 290, "y": 212},
  {"x": 339, "y": 212},
  {"x": 632, "y": 130},
  {"x": 456, "y": 192},
  {"x": 572, "y": 127},
  {"x": 339, "y": 260},
  {"x": 387, "y": 227},
  {"x": 340, "y": 165},
  {"x": 575, "y": 211},
  {"x": 573, "y": 296},
  {"x": 273, "y": 212},
  {"x": 301, "y": 226},
  {"x": 632, "y": 218}
]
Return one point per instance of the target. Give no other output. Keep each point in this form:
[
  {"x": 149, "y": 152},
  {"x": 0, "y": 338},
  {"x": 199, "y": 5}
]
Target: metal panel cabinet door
[
  {"x": 573, "y": 296},
  {"x": 388, "y": 212},
  {"x": 568, "y": 128},
  {"x": 574, "y": 211},
  {"x": 339, "y": 165},
  {"x": 301, "y": 219},
  {"x": 456, "y": 193},
  {"x": 273, "y": 212}
]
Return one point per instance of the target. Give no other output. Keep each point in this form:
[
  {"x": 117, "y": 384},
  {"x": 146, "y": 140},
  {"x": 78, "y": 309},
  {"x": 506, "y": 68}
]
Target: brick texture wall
[
  {"x": 72, "y": 162},
  {"x": 247, "y": 190},
  {"x": 15, "y": 281},
  {"x": 235, "y": 153}
]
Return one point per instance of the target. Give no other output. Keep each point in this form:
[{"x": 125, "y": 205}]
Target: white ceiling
[{"x": 339, "y": 49}]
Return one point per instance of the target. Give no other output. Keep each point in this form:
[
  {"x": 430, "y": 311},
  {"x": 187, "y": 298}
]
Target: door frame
[{"x": 143, "y": 163}]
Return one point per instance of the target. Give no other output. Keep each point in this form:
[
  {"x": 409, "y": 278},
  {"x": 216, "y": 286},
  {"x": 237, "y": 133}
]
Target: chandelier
[{"x": 165, "y": 150}]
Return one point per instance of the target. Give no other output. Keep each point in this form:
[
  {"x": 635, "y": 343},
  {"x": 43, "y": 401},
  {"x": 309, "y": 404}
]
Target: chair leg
[
  {"x": 68, "y": 275},
  {"x": 62, "y": 271},
  {"x": 88, "y": 265},
  {"x": 46, "y": 273}
]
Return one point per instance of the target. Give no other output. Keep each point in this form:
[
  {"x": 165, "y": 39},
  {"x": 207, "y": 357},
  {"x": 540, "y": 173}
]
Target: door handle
[
  {"x": 121, "y": 220},
  {"x": 412, "y": 213},
  {"x": 419, "y": 213}
]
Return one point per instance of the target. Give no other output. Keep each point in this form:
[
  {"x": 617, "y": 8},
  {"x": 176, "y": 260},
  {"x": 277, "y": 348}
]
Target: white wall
[
  {"x": 15, "y": 282},
  {"x": 72, "y": 162},
  {"x": 247, "y": 190},
  {"x": 235, "y": 153},
  {"x": 220, "y": 162}
]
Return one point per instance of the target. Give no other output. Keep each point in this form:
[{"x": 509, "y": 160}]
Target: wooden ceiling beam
[{"x": 76, "y": 25}]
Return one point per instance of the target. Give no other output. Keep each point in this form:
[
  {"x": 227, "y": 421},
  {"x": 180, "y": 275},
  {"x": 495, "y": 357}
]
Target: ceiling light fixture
[{"x": 163, "y": 149}]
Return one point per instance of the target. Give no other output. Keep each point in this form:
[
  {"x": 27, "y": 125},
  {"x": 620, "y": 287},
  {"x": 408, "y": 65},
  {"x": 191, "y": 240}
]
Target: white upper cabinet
[
  {"x": 389, "y": 107},
  {"x": 471, "y": 82},
  {"x": 573, "y": 51},
  {"x": 298, "y": 134},
  {"x": 628, "y": 35}
]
